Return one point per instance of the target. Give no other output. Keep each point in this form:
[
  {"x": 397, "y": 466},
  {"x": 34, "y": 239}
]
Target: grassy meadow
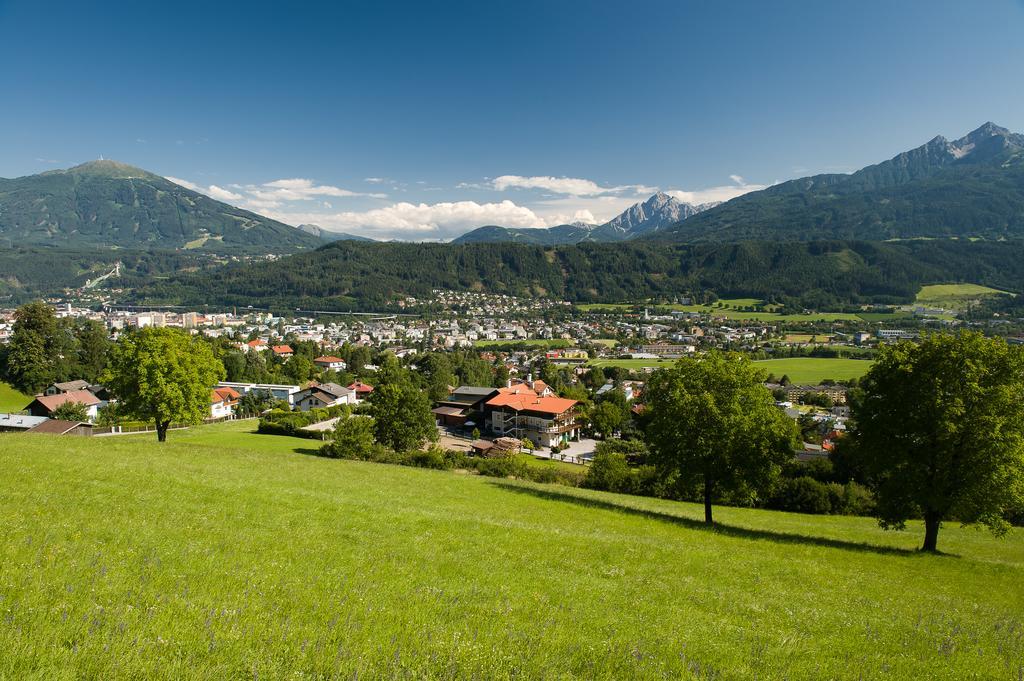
[
  {"x": 815, "y": 369},
  {"x": 954, "y": 296},
  {"x": 732, "y": 309},
  {"x": 11, "y": 399},
  {"x": 224, "y": 554},
  {"x": 799, "y": 369}
]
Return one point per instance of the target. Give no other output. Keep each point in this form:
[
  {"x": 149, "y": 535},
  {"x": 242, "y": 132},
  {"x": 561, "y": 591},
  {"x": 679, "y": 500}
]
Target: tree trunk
[
  {"x": 932, "y": 520},
  {"x": 707, "y": 502},
  {"x": 161, "y": 431}
]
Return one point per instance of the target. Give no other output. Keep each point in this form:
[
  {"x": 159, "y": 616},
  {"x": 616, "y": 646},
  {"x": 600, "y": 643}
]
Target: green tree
[
  {"x": 401, "y": 411},
  {"x": 71, "y": 411},
  {"x": 714, "y": 424},
  {"x": 298, "y": 368},
  {"x": 31, "y": 358},
  {"x": 940, "y": 430},
  {"x": 606, "y": 418},
  {"x": 609, "y": 471},
  {"x": 163, "y": 375},
  {"x": 353, "y": 438},
  {"x": 93, "y": 350}
]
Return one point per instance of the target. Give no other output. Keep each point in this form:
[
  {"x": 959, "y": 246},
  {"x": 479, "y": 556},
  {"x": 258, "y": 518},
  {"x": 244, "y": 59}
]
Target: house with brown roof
[
  {"x": 323, "y": 395},
  {"x": 59, "y": 427},
  {"x": 66, "y": 387},
  {"x": 44, "y": 405},
  {"x": 462, "y": 406},
  {"x": 282, "y": 351},
  {"x": 330, "y": 363},
  {"x": 523, "y": 413}
]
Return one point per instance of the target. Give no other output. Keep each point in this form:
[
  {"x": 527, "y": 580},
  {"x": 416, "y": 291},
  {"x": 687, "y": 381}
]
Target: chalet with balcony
[{"x": 521, "y": 412}]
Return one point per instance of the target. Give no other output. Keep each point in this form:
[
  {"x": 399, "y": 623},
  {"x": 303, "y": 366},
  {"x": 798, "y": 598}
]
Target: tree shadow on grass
[
  {"x": 308, "y": 451},
  {"x": 551, "y": 494}
]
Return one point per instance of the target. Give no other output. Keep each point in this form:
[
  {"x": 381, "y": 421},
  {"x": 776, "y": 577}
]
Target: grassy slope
[
  {"x": 12, "y": 400},
  {"x": 954, "y": 296},
  {"x": 122, "y": 557}
]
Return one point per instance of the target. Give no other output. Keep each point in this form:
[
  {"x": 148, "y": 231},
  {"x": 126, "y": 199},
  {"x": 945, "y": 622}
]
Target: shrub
[
  {"x": 501, "y": 468},
  {"x": 851, "y": 499},
  {"x": 801, "y": 495},
  {"x": 609, "y": 471}
]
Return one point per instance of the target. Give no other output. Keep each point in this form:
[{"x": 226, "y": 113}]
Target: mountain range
[
  {"x": 970, "y": 187},
  {"x": 653, "y": 215},
  {"x": 106, "y": 204}
]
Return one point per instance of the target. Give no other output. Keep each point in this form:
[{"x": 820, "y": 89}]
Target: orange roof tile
[{"x": 524, "y": 399}]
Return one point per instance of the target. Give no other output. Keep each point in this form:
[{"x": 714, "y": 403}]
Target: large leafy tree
[
  {"x": 714, "y": 425},
  {"x": 940, "y": 431},
  {"x": 401, "y": 411},
  {"x": 93, "y": 349},
  {"x": 32, "y": 359},
  {"x": 164, "y": 375}
]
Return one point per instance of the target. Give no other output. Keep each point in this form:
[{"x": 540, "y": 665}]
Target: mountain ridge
[
  {"x": 647, "y": 217},
  {"x": 111, "y": 204},
  {"x": 969, "y": 187}
]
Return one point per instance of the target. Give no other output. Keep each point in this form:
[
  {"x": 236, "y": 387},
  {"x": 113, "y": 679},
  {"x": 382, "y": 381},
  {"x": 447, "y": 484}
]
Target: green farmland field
[{"x": 219, "y": 555}]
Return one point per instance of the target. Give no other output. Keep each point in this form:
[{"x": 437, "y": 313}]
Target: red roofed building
[
  {"x": 521, "y": 412},
  {"x": 361, "y": 389},
  {"x": 283, "y": 351},
  {"x": 223, "y": 402},
  {"x": 330, "y": 363},
  {"x": 259, "y": 345},
  {"x": 44, "y": 405}
]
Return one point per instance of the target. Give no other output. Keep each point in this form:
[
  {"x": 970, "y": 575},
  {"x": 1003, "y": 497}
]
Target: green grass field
[
  {"x": 218, "y": 556},
  {"x": 799, "y": 369},
  {"x": 731, "y": 310},
  {"x": 815, "y": 369},
  {"x": 12, "y": 400},
  {"x": 954, "y": 296}
]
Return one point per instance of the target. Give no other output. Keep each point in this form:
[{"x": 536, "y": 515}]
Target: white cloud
[
  {"x": 573, "y": 186},
  {"x": 720, "y": 193},
  {"x": 299, "y": 189},
  {"x": 374, "y": 180},
  {"x": 185, "y": 183},
  {"x": 420, "y": 221},
  {"x": 223, "y": 194}
]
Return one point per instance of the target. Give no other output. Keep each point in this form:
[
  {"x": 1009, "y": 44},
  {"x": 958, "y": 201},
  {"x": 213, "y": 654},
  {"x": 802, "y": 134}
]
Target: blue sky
[{"x": 422, "y": 120}]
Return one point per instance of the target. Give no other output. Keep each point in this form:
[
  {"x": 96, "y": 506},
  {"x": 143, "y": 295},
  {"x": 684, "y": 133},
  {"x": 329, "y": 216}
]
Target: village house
[
  {"x": 66, "y": 387},
  {"x": 44, "y": 405},
  {"x": 462, "y": 405},
  {"x": 223, "y": 402},
  {"x": 362, "y": 390},
  {"x": 282, "y": 351},
  {"x": 323, "y": 395},
  {"x": 330, "y": 363},
  {"x": 520, "y": 412},
  {"x": 277, "y": 391}
]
